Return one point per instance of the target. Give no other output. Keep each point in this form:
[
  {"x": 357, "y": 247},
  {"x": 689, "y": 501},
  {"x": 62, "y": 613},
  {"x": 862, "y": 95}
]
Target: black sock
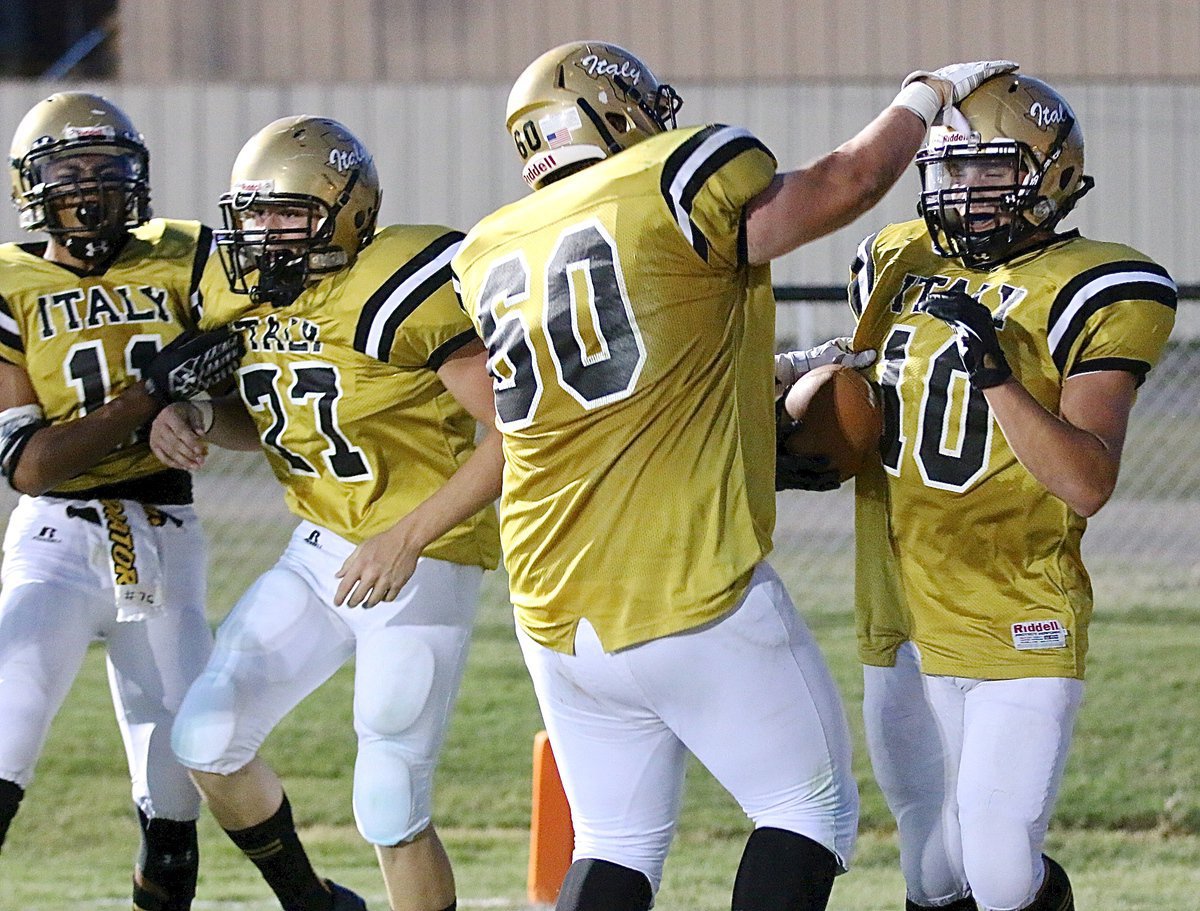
[
  {"x": 165, "y": 879},
  {"x": 959, "y": 904},
  {"x": 783, "y": 871},
  {"x": 1055, "y": 894},
  {"x": 601, "y": 885},
  {"x": 274, "y": 847},
  {"x": 10, "y": 798}
]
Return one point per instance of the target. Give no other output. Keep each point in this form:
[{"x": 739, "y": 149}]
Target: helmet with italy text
[
  {"x": 81, "y": 172},
  {"x": 582, "y": 102},
  {"x": 302, "y": 203},
  {"x": 1001, "y": 170}
]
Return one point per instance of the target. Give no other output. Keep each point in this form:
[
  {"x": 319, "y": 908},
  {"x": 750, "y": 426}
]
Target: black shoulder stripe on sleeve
[
  {"x": 10, "y": 332},
  {"x": 443, "y": 351},
  {"x": 862, "y": 275},
  {"x": 1098, "y": 364},
  {"x": 1100, "y": 287},
  {"x": 401, "y": 294},
  {"x": 694, "y": 162},
  {"x": 204, "y": 246}
]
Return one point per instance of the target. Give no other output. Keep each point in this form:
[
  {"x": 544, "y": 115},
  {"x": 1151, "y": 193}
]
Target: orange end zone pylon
[{"x": 551, "y": 835}]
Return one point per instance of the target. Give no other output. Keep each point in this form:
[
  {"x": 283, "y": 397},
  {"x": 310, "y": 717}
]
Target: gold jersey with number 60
[
  {"x": 630, "y": 345},
  {"x": 959, "y": 548},
  {"x": 343, "y": 386},
  {"x": 84, "y": 339}
]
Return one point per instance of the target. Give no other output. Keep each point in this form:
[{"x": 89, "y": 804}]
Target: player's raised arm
[{"x": 812, "y": 201}]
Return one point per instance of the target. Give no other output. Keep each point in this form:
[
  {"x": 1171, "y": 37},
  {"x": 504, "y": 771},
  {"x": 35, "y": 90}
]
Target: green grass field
[{"x": 1127, "y": 827}]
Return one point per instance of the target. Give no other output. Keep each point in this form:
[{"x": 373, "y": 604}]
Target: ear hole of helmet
[{"x": 618, "y": 122}]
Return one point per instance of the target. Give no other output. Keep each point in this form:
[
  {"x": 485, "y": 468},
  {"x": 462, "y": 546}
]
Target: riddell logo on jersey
[
  {"x": 1039, "y": 634},
  {"x": 1038, "y": 626}
]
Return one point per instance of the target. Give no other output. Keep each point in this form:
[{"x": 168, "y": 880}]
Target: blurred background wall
[{"x": 424, "y": 83}]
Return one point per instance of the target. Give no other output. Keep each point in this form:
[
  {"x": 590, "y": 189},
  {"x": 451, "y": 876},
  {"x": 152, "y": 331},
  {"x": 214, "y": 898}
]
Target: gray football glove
[
  {"x": 791, "y": 365},
  {"x": 958, "y": 80}
]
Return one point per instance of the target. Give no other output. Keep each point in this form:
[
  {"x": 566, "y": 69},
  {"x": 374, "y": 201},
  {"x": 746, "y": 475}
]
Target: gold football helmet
[
  {"x": 582, "y": 102},
  {"x": 1006, "y": 164},
  {"x": 80, "y": 171},
  {"x": 303, "y": 201}
]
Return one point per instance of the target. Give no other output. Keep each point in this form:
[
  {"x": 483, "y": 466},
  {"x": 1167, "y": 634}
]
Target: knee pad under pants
[
  {"x": 406, "y": 681},
  {"x": 278, "y": 644}
]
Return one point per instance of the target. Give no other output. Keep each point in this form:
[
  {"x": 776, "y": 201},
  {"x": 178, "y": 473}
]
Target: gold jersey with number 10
[
  {"x": 630, "y": 344},
  {"x": 343, "y": 386},
  {"x": 959, "y": 547},
  {"x": 84, "y": 339}
]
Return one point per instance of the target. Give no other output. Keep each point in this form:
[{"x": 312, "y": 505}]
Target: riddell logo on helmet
[
  {"x": 102, "y": 131},
  {"x": 597, "y": 66},
  {"x": 254, "y": 187},
  {"x": 537, "y": 168}
]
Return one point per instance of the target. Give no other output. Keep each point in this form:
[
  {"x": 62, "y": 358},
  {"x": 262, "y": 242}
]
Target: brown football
[{"x": 840, "y": 417}]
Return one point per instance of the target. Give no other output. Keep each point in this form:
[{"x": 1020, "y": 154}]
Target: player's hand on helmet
[
  {"x": 791, "y": 365},
  {"x": 975, "y": 333},
  {"x": 377, "y": 569},
  {"x": 955, "y": 82},
  {"x": 177, "y": 435},
  {"x": 192, "y": 363}
]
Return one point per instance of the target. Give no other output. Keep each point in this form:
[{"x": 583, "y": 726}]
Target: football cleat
[{"x": 344, "y": 899}]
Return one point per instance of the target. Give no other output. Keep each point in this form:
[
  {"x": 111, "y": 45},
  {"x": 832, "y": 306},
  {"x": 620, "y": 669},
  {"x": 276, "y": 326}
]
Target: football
[{"x": 840, "y": 415}]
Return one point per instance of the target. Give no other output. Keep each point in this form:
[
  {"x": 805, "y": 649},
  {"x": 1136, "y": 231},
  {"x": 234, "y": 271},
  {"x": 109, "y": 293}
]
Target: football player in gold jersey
[
  {"x": 104, "y": 544},
  {"x": 1009, "y": 358},
  {"x": 362, "y": 381},
  {"x": 627, "y": 309}
]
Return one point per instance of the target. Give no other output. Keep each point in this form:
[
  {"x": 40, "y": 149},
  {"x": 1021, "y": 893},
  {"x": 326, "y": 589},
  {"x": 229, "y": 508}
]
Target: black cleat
[{"x": 344, "y": 899}]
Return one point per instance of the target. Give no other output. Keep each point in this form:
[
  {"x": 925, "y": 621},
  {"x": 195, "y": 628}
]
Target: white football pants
[
  {"x": 971, "y": 771},
  {"x": 285, "y": 637},
  {"x": 749, "y": 696},
  {"x": 57, "y": 597}
]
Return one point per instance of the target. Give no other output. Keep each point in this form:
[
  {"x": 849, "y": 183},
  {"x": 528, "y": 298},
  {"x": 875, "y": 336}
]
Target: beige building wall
[{"x": 282, "y": 41}]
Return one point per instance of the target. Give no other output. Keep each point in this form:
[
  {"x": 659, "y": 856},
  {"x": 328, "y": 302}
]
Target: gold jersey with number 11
[{"x": 84, "y": 339}]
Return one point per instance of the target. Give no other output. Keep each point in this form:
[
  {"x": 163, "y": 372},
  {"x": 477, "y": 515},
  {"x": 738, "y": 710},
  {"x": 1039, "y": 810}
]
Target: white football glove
[
  {"x": 791, "y": 365},
  {"x": 926, "y": 92}
]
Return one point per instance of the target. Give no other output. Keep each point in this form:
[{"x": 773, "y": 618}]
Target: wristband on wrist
[{"x": 920, "y": 98}]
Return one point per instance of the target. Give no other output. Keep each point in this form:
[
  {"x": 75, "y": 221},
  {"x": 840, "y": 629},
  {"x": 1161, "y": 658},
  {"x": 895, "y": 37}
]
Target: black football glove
[
  {"x": 799, "y": 472},
  {"x": 191, "y": 363},
  {"x": 982, "y": 357},
  {"x": 806, "y": 472}
]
